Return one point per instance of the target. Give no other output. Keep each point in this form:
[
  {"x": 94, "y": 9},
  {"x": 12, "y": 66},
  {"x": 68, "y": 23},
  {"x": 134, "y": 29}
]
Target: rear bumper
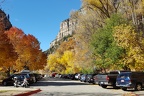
[
  {"x": 126, "y": 85},
  {"x": 105, "y": 83}
]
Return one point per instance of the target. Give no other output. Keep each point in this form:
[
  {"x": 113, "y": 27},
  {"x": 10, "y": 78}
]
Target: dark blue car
[{"x": 133, "y": 80}]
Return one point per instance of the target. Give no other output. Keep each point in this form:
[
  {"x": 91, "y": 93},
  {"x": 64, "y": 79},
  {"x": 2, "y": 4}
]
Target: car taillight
[
  {"x": 107, "y": 78},
  {"x": 129, "y": 80},
  {"x": 95, "y": 78}
]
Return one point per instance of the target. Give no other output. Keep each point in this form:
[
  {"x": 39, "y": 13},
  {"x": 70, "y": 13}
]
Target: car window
[
  {"x": 137, "y": 75},
  {"x": 123, "y": 75},
  {"x": 114, "y": 72}
]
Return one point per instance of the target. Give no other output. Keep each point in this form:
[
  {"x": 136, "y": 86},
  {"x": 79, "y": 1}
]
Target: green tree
[{"x": 104, "y": 47}]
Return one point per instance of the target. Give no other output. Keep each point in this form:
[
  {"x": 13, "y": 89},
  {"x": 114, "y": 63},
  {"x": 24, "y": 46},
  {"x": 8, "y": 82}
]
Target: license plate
[
  {"x": 101, "y": 82},
  {"x": 122, "y": 80}
]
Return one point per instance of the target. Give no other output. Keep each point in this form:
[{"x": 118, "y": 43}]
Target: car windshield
[
  {"x": 124, "y": 75},
  {"x": 114, "y": 72}
]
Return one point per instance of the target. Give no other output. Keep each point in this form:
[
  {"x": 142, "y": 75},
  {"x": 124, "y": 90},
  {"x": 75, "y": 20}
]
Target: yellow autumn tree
[
  {"x": 62, "y": 61},
  {"x": 131, "y": 9},
  {"x": 103, "y": 7},
  {"x": 54, "y": 64},
  {"x": 133, "y": 43},
  {"x": 88, "y": 22},
  {"x": 68, "y": 61}
]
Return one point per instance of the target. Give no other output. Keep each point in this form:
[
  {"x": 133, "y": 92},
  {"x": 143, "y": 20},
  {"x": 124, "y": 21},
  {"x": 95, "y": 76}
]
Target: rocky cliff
[
  {"x": 66, "y": 28},
  {"x": 5, "y": 20}
]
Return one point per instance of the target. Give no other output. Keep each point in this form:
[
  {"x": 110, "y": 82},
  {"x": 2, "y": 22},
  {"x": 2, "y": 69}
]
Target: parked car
[
  {"x": 77, "y": 76},
  {"x": 30, "y": 77},
  {"x": 90, "y": 78},
  {"x": 65, "y": 76},
  {"x": 10, "y": 80},
  {"x": 83, "y": 78},
  {"x": 97, "y": 78},
  {"x": 133, "y": 80},
  {"x": 54, "y": 74},
  {"x": 37, "y": 76},
  {"x": 109, "y": 79},
  {"x": 72, "y": 76}
]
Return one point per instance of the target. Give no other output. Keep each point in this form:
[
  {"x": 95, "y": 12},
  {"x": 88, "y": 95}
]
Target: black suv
[
  {"x": 30, "y": 77},
  {"x": 9, "y": 80},
  {"x": 133, "y": 80}
]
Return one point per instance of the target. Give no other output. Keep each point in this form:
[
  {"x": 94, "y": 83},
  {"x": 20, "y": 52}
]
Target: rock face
[
  {"x": 66, "y": 28},
  {"x": 5, "y": 20}
]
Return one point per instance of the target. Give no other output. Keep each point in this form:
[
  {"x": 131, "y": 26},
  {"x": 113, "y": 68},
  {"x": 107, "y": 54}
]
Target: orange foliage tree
[
  {"x": 28, "y": 49},
  {"x": 7, "y": 54}
]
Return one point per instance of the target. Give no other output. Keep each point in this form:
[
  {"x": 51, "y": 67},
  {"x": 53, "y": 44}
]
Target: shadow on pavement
[
  {"x": 78, "y": 94},
  {"x": 58, "y": 82}
]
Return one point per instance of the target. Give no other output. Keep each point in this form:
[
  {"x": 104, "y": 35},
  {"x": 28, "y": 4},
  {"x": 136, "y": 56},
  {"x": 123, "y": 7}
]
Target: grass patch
[{"x": 2, "y": 91}]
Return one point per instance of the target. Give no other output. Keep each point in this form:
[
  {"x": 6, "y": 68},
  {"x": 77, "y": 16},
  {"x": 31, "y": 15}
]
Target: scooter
[
  {"x": 25, "y": 83},
  {"x": 18, "y": 83}
]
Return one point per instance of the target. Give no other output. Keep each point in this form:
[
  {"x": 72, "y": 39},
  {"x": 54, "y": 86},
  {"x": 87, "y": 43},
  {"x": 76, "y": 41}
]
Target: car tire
[
  {"x": 124, "y": 89},
  {"x": 138, "y": 87},
  {"x": 115, "y": 87},
  {"x": 4, "y": 83},
  {"x": 103, "y": 86}
]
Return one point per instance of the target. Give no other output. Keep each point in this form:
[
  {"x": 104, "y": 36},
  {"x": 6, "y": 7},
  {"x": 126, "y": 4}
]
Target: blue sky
[{"x": 41, "y": 18}]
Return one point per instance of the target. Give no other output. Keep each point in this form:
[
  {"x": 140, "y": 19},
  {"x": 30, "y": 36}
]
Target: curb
[{"x": 28, "y": 93}]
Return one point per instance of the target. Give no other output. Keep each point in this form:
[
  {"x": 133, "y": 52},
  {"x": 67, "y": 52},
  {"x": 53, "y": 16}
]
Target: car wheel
[
  {"x": 4, "y": 83},
  {"x": 138, "y": 87},
  {"x": 124, "y": 89},
  {"x": 115, "y": 87},
  {"x": 104, "y": 86},
  {"x": 93, "y": 82}
]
